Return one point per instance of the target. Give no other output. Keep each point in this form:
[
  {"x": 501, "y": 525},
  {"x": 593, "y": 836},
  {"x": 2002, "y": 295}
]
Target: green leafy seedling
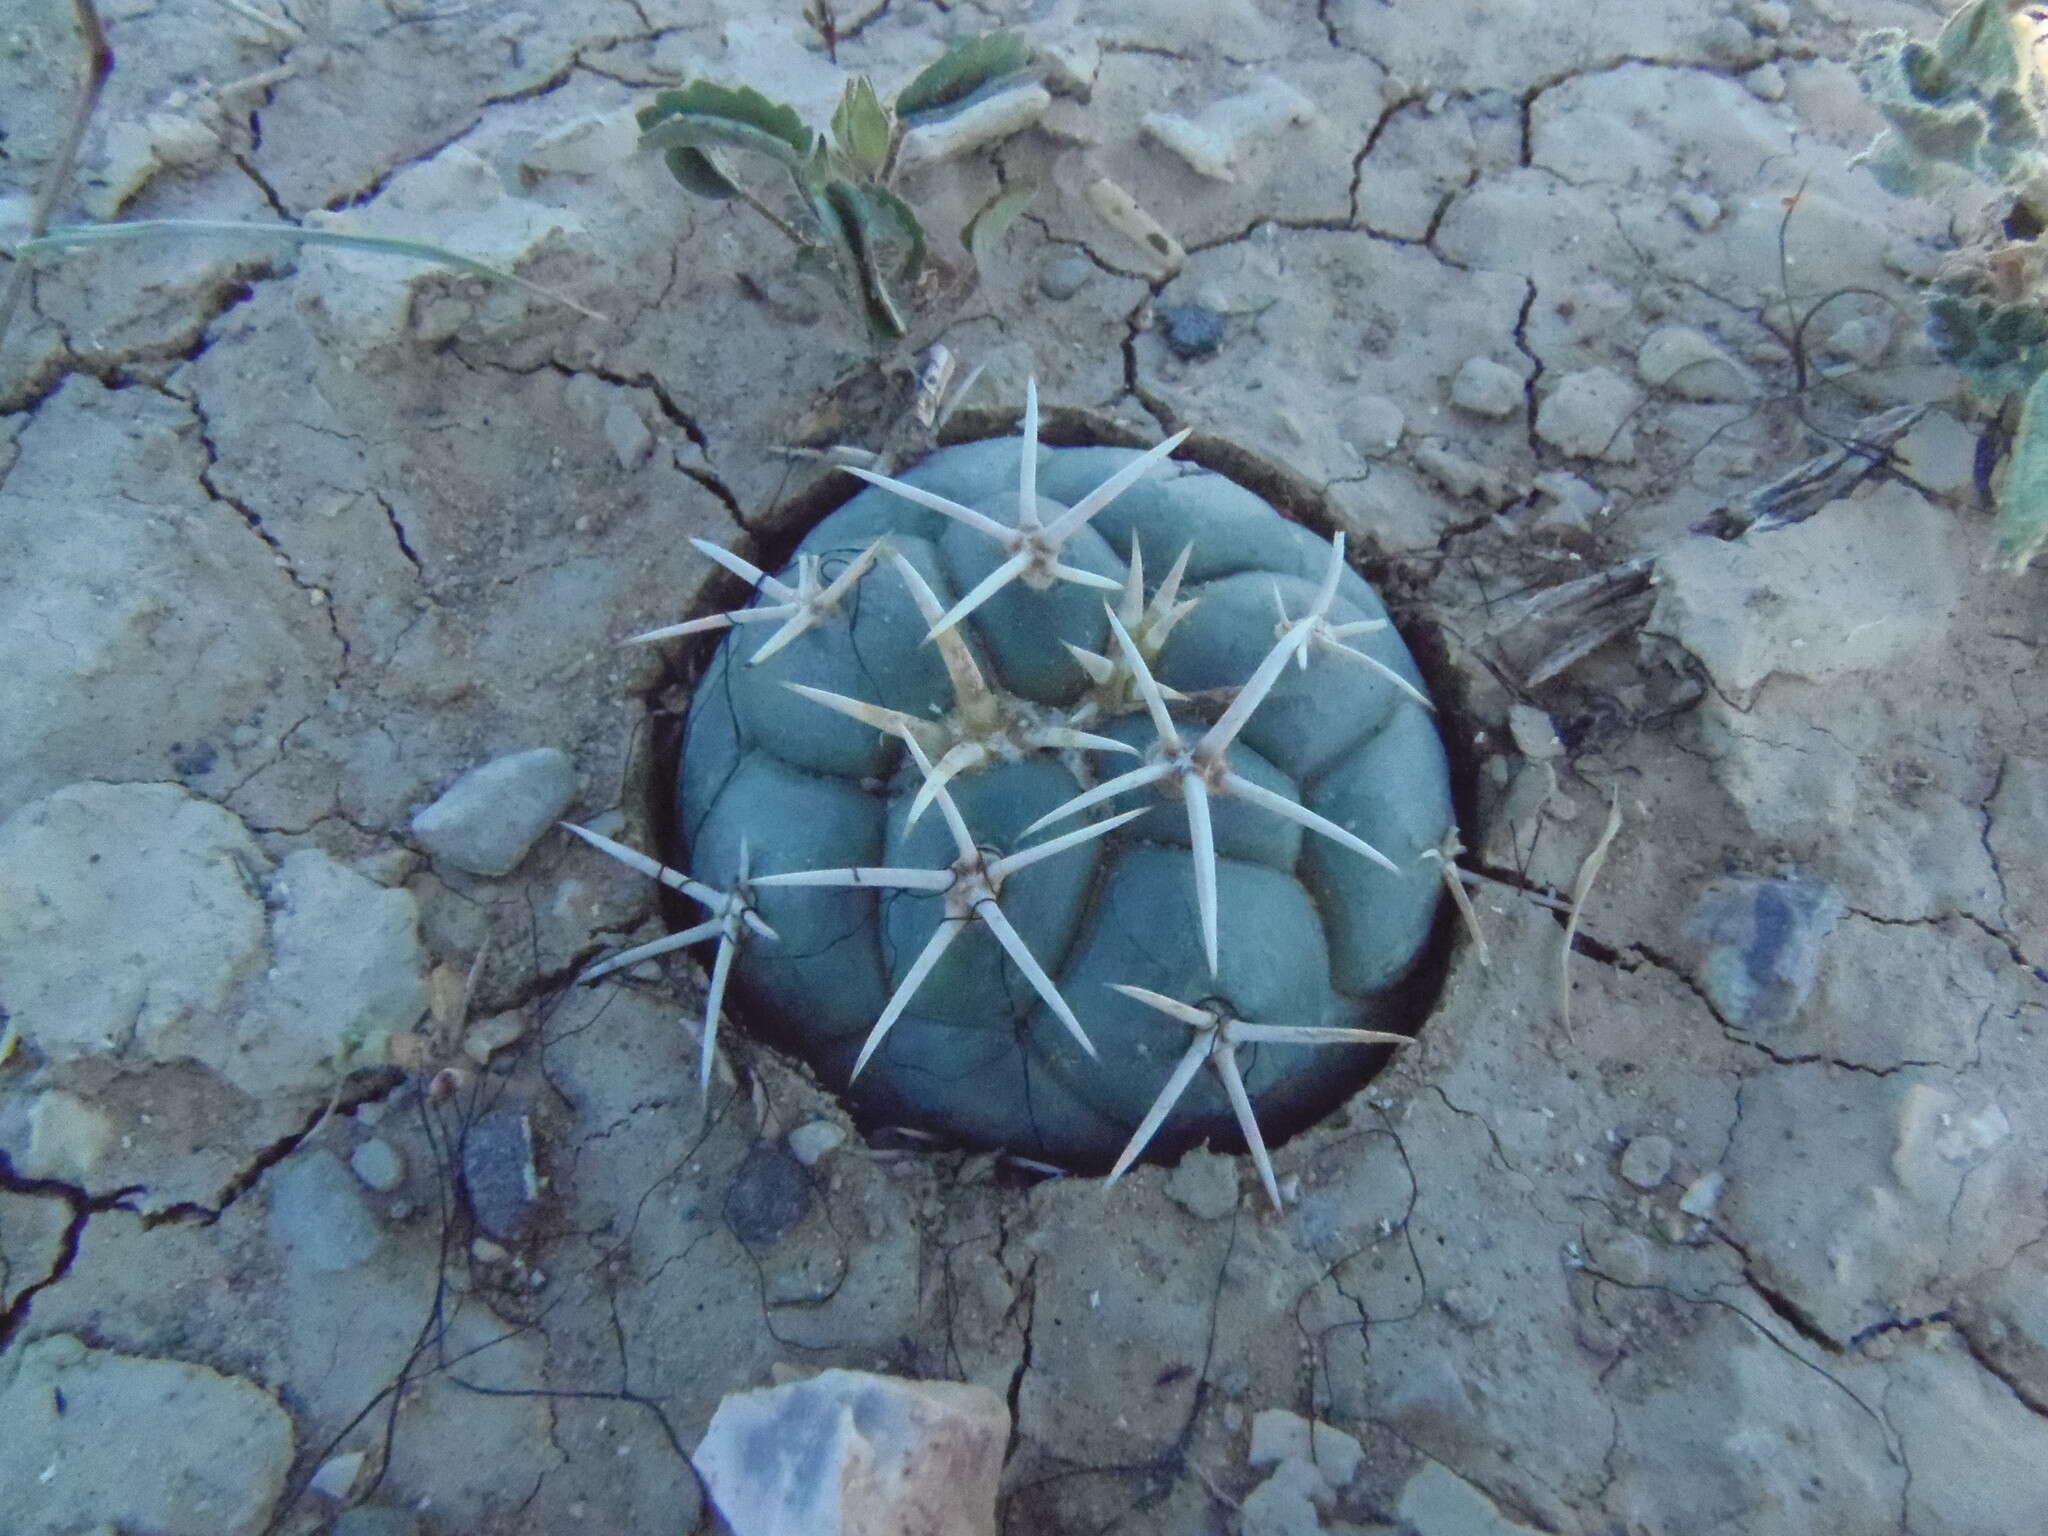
[
  {"x": 1969, "y": 108},
  {"x": 850, "y": 219}
]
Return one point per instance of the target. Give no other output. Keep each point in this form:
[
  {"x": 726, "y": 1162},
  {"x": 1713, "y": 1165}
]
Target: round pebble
[
  {"x": 1192, "y": 330},
  {"x": 1487, "y": 388},
  {"x": 1065, "y": 276},
  {"x": 377, "y": 1163},
  {"x": 1646, "y": 1162}
]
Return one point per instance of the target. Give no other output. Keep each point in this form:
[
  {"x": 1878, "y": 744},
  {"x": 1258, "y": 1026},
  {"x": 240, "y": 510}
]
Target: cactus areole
[{"x": 1058, "y": 775}]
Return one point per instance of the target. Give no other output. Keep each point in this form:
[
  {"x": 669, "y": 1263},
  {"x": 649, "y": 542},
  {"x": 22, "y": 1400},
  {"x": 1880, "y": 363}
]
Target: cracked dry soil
[{"x": 1756, "y": 1242}]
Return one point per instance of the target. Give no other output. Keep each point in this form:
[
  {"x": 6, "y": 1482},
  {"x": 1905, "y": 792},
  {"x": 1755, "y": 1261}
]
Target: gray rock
[
  {"x": 847, "y": 1452},
  {"x": 1487, "y": 388},
  {"x": 1192, "y": 330},
  {"x": 1065, "y": 276},
  {"x": 498, "y": 1173},
  {"x": 1279, "y": 1434},
  {"x": 317, "y": 1215},
  {"x": 133, "y": 920},
  {"x": 1646, "y": 1161},
  {"x": 1438, "y": 1502},
  {"x": 1374, "y": 425},
  {"x": 378, "y": 1164},
  {"x": 1586, "y": 415},
  {"x": 1766, "y": 82},
  {"x": 99, "y": 1438},
  {"x": 631, "y": 443},
  {"x": 485, "y": 821},
  {"x": 347, "y": 971},
  {"x": 1762, "y": 941},
  {"x": 813, "y": 1141},
  {"x": 1687, "y": 363},
  {"x": 1285, "y": 1503},
  {"x": 770, "y": 1194}
]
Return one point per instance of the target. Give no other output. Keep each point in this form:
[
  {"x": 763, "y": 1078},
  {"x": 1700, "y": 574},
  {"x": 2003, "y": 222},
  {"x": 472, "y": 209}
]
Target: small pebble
[
  {"x": 337, "y": 1476},
  {"x": 1646, "y": 1162},
  {"x": 1375, "y": 426},
  {"x": 378, "y": 1164},
  {"x": 485, "y": 821},
  {"x": 1766, "y": 82},
  {"x": 487, "y": 1037},
  {"x": 1699, "y": 210},
  {"x": 1065, "y": 276},
  {"x": 770, "y": 1194},
  {"x": 814, "y": 1140},
  {"x": 1535, "y": 736},
  {"x": 498, "y": 1173},
  {"x": 1192, "y": 330},
  {"x": 317, "y": 1216},
  {"x": 1703, "y": 1194},
  {"x": 1487, "y": 388},
  {"x": 1773, "y": 17}
]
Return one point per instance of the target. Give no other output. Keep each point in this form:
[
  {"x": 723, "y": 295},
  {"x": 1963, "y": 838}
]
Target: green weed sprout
[
  {"x": 1971, "y": 107},
  {"x": 849, "y": 217}
]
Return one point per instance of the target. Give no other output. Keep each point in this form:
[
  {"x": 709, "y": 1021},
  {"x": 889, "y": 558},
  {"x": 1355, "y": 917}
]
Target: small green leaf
[
  {"x": 880, "y": 205},
  {"x": 740, "y": 105},
  {"x": 861, "y": 127},
  {"x": 848, "y": 218},
  {"x": 2023, "y": 504},
  {"x": 964, "y": 68},
  {"x": 704, "y": 115},
  {"x": 1978, "y": 44},
  {"x": 986, "y": 229},
  {"x": 699, "y": 173}
]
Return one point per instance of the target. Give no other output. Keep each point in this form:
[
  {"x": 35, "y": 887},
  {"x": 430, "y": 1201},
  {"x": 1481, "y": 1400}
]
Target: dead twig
[
  {"x": 99, "y": 64},
  {"x": 1588, "y": 872}
]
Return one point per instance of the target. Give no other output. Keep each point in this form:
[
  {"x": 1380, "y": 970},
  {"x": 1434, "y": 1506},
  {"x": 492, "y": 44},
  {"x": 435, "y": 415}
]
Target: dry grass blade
[
  {"x": 69, "y": 237},
  {"x": 1588, "y": 872},
  {"x": 99, "y": 63}
]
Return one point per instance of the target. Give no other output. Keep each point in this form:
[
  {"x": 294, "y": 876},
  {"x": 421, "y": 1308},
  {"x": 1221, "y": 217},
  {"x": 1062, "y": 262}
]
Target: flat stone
[
  {"x": 68, "y": 1138},
  {"x": 1438, "y": 1502},
  {"x": 94, "y": 1437},
  {"x": 847, "y": 1453},
  {"x": 1285, "y": 1503},
  {"x": 1646, "y": 1161},
  {"x": 1065, "y": 276},
  {"x": 625, "y": 429},
  {"x": 378, "y": 1164},
  {"x": 1939, "y": 452},
  {"x": 487, "y": 1037},
  {"x": 347, "y": 971},
  {"x": 1487, "y": 388},
  {"x": 135, "y": 915},
  {"x": 1373, "y": 425},
  {"x": 1279, "y": 1434},
  {"x": 1685, "y": 362},
  {"x": 485, "y": 821},
  {"x": 317, "y": 1214},
  {"x": 1762, "y": 943},
  {"x": 1586, "y": 415},
  {"x": 336, "y": 1477},
  {"x": 498, "y": 1172}
]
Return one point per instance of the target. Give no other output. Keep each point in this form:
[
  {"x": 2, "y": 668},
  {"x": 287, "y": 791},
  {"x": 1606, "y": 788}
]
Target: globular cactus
[{"x": 1037, "y": 758}]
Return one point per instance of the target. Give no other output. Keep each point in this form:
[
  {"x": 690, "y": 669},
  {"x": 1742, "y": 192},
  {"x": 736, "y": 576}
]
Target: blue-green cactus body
[{"x": 1310, "y": 932}]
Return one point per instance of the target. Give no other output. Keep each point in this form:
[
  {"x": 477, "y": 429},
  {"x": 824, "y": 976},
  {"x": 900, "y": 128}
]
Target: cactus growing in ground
[{"x": 1033, "y": 747}]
